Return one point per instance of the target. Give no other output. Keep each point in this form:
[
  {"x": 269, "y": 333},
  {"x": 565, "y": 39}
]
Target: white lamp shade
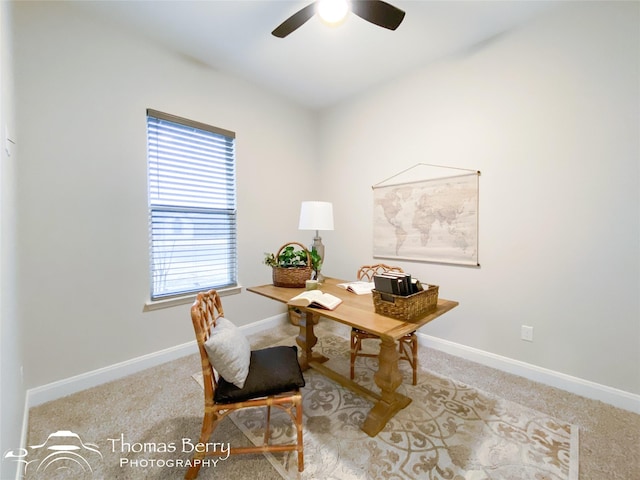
[{"x": 316, "y": 216}]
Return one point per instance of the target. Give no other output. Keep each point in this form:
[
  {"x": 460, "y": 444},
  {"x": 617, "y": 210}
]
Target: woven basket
[
  {"x": 406, "y": 308},
  {"x": 292, "y": 277}
]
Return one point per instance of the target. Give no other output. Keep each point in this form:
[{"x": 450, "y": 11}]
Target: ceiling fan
[{"x": 374, "y": 11}]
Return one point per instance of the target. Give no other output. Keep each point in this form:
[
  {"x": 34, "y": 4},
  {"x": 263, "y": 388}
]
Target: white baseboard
[
  {"x": 23, "y": 437},
  {"x": 585, "y": 388},
  {"x": 52, "y": 391},
  {"x": 579, "y": 386},
  {"x": 62, "y": 388}
]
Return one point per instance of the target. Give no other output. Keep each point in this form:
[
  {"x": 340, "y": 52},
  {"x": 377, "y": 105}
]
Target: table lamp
[{"x": 316, "y": 216}]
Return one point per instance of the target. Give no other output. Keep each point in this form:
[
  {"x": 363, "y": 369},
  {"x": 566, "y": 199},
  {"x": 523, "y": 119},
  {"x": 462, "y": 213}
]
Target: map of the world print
[{"x": 430, "y": 220}]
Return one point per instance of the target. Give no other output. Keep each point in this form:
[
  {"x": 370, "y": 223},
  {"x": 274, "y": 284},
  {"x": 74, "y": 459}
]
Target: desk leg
[
  {"x": 307, "y": 339},
  {"x": 388, "y": 378}
]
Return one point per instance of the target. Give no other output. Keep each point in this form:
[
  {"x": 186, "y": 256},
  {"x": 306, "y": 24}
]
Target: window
[{"x": 192, "y": 206}]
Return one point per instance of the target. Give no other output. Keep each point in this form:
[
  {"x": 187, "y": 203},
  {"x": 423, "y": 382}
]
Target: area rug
[{"x": 449, "y": 431}]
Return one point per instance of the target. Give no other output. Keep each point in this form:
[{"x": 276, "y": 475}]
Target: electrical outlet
[{"x": 526, "y": 333}]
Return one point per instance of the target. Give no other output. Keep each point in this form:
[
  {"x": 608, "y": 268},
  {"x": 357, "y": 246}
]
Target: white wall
[
  {"x": 82, "y": 92},
  {"x": 12, "y": 392},
  {"x": 550, "y": 115}
]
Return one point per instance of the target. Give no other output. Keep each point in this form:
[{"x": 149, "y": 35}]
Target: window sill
[{"x": 175, "y": 301}]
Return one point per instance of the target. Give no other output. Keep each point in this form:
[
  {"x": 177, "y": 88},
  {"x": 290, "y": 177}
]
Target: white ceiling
[{"x": 316, "y": 65}]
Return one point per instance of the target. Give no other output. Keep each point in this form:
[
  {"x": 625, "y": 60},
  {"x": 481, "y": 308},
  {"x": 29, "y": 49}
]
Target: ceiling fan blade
[
  {"x": 378, "y": 12},
  {"x": 295, "y": 21}
]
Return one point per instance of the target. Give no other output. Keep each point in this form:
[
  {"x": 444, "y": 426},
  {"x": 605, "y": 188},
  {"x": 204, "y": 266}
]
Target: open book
[
  {"x": 316, "y": 299},
  {"x": 359, "y": 288}
]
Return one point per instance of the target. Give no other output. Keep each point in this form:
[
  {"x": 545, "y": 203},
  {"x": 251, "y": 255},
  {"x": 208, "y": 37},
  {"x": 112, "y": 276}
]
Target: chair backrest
[
  {"x": 205, "y": 311},
  {"x": 366, "y": 272}
]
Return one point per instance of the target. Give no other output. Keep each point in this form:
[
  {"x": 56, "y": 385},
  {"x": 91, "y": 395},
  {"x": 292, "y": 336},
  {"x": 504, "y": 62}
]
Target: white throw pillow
[{"x": 229, "y": 352}]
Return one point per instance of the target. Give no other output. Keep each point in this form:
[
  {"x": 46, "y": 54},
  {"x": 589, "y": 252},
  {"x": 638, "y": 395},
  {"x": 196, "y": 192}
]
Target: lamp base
[{"x": 319, "y": 248}]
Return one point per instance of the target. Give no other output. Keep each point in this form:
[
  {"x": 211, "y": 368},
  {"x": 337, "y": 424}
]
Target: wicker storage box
[
  {"x": 292, "y": 277},
  {"x": 406, "y": 308}
]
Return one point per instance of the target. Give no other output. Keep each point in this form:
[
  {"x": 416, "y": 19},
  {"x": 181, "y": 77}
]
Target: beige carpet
[
  {"x": 449, "y": 431},
  {"x": 164, "y": 404}
]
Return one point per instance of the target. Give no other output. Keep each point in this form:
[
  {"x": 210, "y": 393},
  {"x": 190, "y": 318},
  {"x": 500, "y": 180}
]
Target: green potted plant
[{"x": 292, "y": 266}]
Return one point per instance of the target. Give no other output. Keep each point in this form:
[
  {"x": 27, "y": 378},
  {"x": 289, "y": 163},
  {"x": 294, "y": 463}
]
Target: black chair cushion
[{"x": 272, "y": 370}]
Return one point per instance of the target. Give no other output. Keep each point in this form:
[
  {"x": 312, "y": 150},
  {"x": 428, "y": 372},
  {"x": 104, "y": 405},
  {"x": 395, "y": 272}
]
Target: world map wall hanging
[{"x": 432, "y": 219}]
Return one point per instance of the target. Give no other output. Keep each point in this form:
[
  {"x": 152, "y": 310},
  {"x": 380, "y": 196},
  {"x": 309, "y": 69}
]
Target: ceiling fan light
[{"x": 332, "y": 12}]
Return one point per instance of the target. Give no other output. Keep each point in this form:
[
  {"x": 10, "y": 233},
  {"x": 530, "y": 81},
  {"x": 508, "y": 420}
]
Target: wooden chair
[
  {"x": 407, "y": 345},
  {"x": 274, "y": 379}
]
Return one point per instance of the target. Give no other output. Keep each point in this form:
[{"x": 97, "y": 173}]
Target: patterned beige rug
[{"x": 449, "y": 431}]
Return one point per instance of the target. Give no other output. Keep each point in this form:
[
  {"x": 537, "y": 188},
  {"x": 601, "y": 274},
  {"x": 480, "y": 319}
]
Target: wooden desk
[{"x": 358, "y": 311}]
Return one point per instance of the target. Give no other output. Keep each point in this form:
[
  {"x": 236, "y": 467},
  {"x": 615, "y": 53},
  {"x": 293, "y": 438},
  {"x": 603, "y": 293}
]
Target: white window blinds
[{"x": 192, "y": 206}]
